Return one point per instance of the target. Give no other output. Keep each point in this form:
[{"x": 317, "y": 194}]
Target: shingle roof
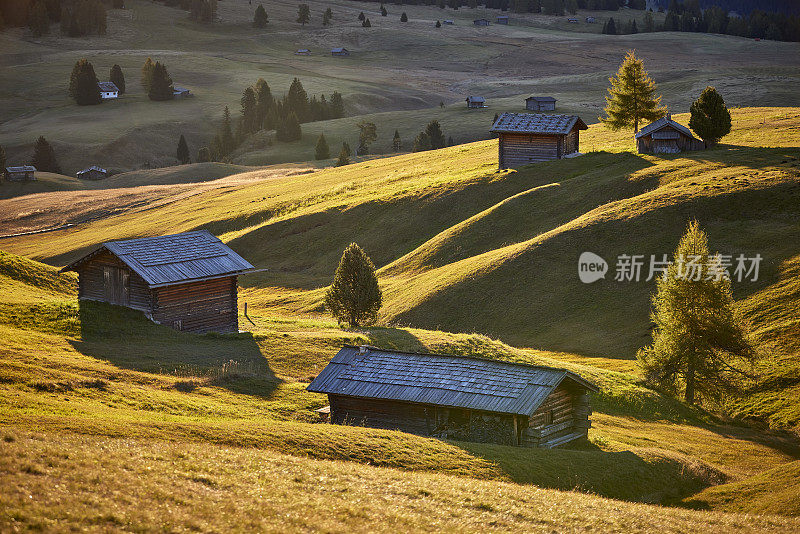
[
  {"x": 177, "y": 258},
  {"x": 92, "y": 168},
  {"x": 661, "y": 123},
  {"x": 455, "y": 381},
  {"x": 108, "y": 87},
  {"x": 537, "y": 123},
  {"x": 476, "y": 99},
  {"x": 335, "y": 50},
  {"x": 541, "y": 98},
  {"x": 22, "y": 168}
]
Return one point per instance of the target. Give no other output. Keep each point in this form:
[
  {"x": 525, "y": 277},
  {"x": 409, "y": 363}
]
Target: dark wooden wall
[
  {"x": 565, "y": 412},
  {"x": 126, "y": 287},
  {"x": 540, "y": 106},
  {"x": 208, "y": 306},
  {"x": 646, "y": 144},
  {"x": 377, "y": 413}
]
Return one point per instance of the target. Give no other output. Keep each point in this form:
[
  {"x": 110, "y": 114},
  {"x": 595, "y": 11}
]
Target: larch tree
[
  {"x": 322, "y": 150},
  {"x": 367, "y": 134},
  {"x": 710, "y": 118},
  {"x": 117, "y": 78},
  {"x": 435, "y": 135},
  {"x": 264, "y": 102},
  {"x": 44, "y": 157},
  {"x": 404, "y": 17},
  {"x": 354, "y": 297},
  {"x": 203, "y": 155},
  {"x": 147, "y": 74},
  {"x": 161, "y": 85},
  {"x": 326, "y": 17},
  {"x": 397, "y": 143},
  {"x": 303, "y": 14},
  {"x": 344, "y": 156},
  {"x": 698, "y": 343},
  {"x": 260, "y": 18},
  {"x": 297, "y": 101},
  {"x": 183, "y": 151},
  {"x": 631, "y": 98},
  {"x": 250, "y": 115},
  {"x": 84, "y": 88}
]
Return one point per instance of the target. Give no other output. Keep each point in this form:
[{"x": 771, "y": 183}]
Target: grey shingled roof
[
  {"x": 92, "y": 168},
  {"x": 476, "y": 99},
  {"x": 172, "y": 259},
  {"x": 541, "y": 98},
  {"x": 661, "y": 123},
  {"x": 22, "y": 168},
  {"x": 108, "y": 86},
  {"x": 537, "y": 123},
  {"x": 454, "y": 381}
]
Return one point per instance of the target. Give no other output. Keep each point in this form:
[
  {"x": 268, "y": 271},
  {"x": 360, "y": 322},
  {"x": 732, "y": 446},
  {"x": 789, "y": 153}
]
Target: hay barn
[
  {"x": 187, "y": 281},
  {"x": 540, "y": 103},
  {"x": 20, "y": 174},
  {"x": 94, "y": 172},
  {"x": 665, "y": 136},
  {"x": 475, "y": 102},
  {"x": 108, "y": 90},
  {"x": 526, "y": 138},
  {"x": 456, "y": 397}
]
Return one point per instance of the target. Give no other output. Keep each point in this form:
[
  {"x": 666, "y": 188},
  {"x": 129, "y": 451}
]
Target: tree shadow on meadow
[{"x": 128, "y": 340}]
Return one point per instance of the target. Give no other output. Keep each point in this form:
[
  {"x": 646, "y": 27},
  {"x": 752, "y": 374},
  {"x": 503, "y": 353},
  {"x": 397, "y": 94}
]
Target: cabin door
[{"x": 116, "y": 284}]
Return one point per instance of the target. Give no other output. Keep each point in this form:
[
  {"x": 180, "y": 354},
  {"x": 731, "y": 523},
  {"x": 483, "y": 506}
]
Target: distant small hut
[
  {"x": 590, "y": 20},
  {"x": 665, "y": 136},
  {"x": 187, "y": 281},
  {"x": 456, "y": 397},
  {"x": 474, "y": 102},
  {"x": 21, "y": 173},
  {"x": 502, "y": 19},
  {"x": 526, "y": 138},
  {"x": 94, "y": 172},
  {"x": 108, "y": 90},
  {"x": 180, "y": 92},
  {"x": 572, "y": 20},
  {"x": 448, "y": 22},
  {"x": 540, "y": 103},
  {"x": 340, "y": 52},
  {"x": 303, "y": 52},
  {"x": 481, "y": 22}
]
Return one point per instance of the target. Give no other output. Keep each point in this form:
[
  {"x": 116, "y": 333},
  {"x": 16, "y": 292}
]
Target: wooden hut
[
  {"x": 475, "y": 102},
  {"x": 22, "y": 173},
  {"x": 502, "y": 19},
  {"x": 180, "y": 92},
  {"x": 481, "y": 22},
  {"x": 665, "y": 136},
  {"x": 303, "y": 52},
  {"x": 590, "y": 20},
  {"x": 531, "y": 137},
  {"x": 448, "y": 22},
  {"x": 186, "y": 281},
  {"x": 94, "y": 172},
  {"x": 340, "y": 52},
  {"x": 540, "y": 103},
  {"x": 456, "y": 397},
  {"x": 108, "y": 90}
]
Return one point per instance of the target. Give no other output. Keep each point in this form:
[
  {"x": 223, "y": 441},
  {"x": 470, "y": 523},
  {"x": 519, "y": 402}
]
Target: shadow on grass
[{"x": 126, "y": 339}]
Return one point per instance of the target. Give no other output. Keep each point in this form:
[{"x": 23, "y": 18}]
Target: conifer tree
[
  {"x": 422, "y": 142},
  {"x": 303, "y": 14},
  {"x": 38, "y": 21},
  {"x": 183, "y": 151},
  {"x": 44, "y": 158},
  {"x": 631, "y": 98},
  {"x": 147, "y": 74},
  {"x": 710, "y": 118},
  {"x": 337, "y": 105},
  {"x": 224, "y": 142},
  {"x": 344, "y": 156},
  {"x": 354, "y": 297},
  {"x": 611, "y": 27},
  {"x": 649, "y": 23},
  {"x": 322, "y": 150},
  {"x": 249, "y": 120},
  {"x": 383, "y": 11},
  {"x": 697, "y": 341},
  {"x": 346, "y": 148},
  {"x": 438, "y": 24},
  {"x": 326, "y": 17},
  {"x": 85, "y": 90},
  {"x": 289, "y": 129},
  {"x": 436, "y": 138},
  {"x": 361, "y": 17},
  {"x": 117, "y": 78},
  {"x": 265, "y": 102},
  {"x": 161, "y": 84},
  {"x": 203, "y": 155},
  {"x": 397, "y": 143},
  {"x": 404, "y": 17},
  {"x": 2, "y": 159},
  {"x": 367, "y": 134},
  {"x": 366, "y": 24},
  {"x": 297, "y": 101},
  {"x": 260, "y": 18}
]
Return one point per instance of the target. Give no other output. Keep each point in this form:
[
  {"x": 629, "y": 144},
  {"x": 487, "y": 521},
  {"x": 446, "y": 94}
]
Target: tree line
[
  {"x": 550, "y": 7},
  {"x": 76, "y": 18}
]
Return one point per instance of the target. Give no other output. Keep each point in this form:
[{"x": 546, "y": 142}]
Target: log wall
[
  {"x": 93, "y": 283},
  {"x": 207, "y": 306}
]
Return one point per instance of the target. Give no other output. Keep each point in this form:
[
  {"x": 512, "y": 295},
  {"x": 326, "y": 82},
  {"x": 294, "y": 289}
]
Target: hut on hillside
[
  {"x": 21, "y": 173},
  {"x": 108, "y": 90},
  {"x": 448, "y": 22},
  {"x": 531, "y": 137},
  {"x": 590, "y": 20},
  {"x": 456, "y": 397},
  {"x": 665, "y": 136},
  {"x": 572, "y": 20},
  {"x": 502, "y": 19},
  {"x": 540, "y": 103},
  {"x": 180, "y": 92},
  {"x": 340, "y": 52},
  {"x": 481, "y": 22},
  {"x": 94, "y": 172},
  {"x": 474, "y": 102},
  {"x": 187, "y": 281},
  {"x": 303, "y": 52}
]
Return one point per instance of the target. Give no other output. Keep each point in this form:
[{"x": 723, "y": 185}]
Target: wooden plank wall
[
  {"x": 377, "y": 413},
  {"x": 91, "y": 282},
  {"x": 517, "y": 150},
  {"x": 207, "y": 306},
  {"x": 554, "y": 418}
]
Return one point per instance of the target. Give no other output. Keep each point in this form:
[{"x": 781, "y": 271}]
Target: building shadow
[{"x": 127, "y": 339}]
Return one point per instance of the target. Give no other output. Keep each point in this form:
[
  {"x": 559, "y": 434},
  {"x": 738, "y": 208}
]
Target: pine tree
[
  {"x": 710, "y": 118},
  {"x": 85, "y": 90},
  {"x": 249, "y": 120},
  {"x": 117, "y": 78},
  {"x": 404, "y": 17},
  {"x": 649, "y": 23},
  {"x": 383, "y": 11},
  {"x": 366, "y": 24},
  {"x": 397, "y": 143},
  {"x": 203, "y": 155},
  {"x": 611, "y": 27},
  {"x": 161, "y": 85},
  {"x": 224, "y": 141},
  {"x": 697, "y": 340},
  {"x": 367, "y": 134},
  {"x": 362, "y": 17},
  {"x": 346, "y": 148},
  {"x": 303, "y": 14},
  {"x": 183, "y": 151},
  {"x": 322, "y": 150},
  {"x": 44, "y": 158},
  {"x": 438, "y": 24},
  {"x": 147, "y": 74},
  {"x": 260, "y": 19},
  {"x": 631, "y": 98},
  {"x": 354, "y": 297},
  {"x": 2, "y": 159},
  {"x": 265, "y": 102},
  {"x": 326, "y": 17},
  {"x": 337, "y": 105},
  {"x": 422, "y": 142},
  {"x": 289, "y": 129},
  {"x": 297, "y": 101},
  {"x": 435, "y": 136},
  {"x": 38, "y": 21},
  {"x": 344, "y": 156}
]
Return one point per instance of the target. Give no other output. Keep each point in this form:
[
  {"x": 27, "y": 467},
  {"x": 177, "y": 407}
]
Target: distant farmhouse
[
  {"x": 340, "y": 52},
  {"x": 531, "y": 137},
  {"x": 187, "y": 281},
  {"x": 92, "y": 173},
  {"x": 180, "y": 92},
  {"x": 22, "y": 173},
  {"x": 456, "y": 397},
  {"x": 474, "y": 102},
  {"x": 502, "y": 19},
  {"x": 448, "y": 22},
  {"x": 665, "y": 136},
  {"x": 590, "y": 20},
  {"x": 481, "y": 22},
  {"x": 303, "y": 52},
  {"x": 572, "y": 20},
  {"x": 108, "y": 90},
  {"x": 540, "y": 103}
]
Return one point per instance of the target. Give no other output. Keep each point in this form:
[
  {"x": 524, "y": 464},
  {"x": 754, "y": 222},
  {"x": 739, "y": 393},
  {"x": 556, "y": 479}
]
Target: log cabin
[
  {"x": 20, "y": 174},
  {"x": 526, "y": 138},
  {"x": 456, "y": 397},
  {"x": 94, "y": 172},
  {"x": 665, "y": 136},
  {"x": 476, "y": 102},
  {"x": 186, "y": 281},
  {"x": 481, "y": 22},
  {"x": 502, "y": 19},
  {"x": 340, "y": 52},
  {"x": 108, "y": 90},
  {"x": 540, "y": 103}
]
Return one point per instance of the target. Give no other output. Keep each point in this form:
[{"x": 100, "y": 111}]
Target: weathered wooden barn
[
  {"x": 94, "y": 172},
  {"x": 303, "y": 52},
  {"x": 448, "y": 22},
  {"x": 665, "y": 136},
  {"x": 531, "y": 137},
  {"x": 475, "y": 102},
  {"x": 340, "y": 52},
  {"x": 180, "y": 92},
  {"x": 108, "y": 90},
  {"x": 20, "y": 174},
  {"x": 481, "y": 22},
  {"x": 502, "y": 19},
  {"x": 540, "y": 103},
  {"x": 186, "y": 281},
  {"x": 456, "y": 397}
]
